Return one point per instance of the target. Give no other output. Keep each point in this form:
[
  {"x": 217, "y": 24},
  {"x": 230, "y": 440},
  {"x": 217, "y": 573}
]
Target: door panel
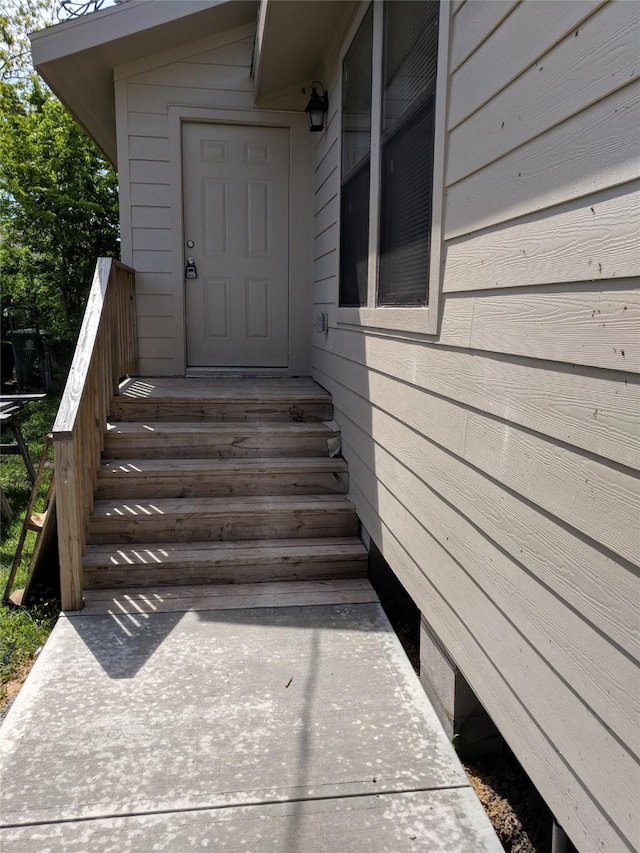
[
  {"x": 217, "y": 318},
  {"x": 236, "y": 212},
  {"x": 215, "y": 216}
]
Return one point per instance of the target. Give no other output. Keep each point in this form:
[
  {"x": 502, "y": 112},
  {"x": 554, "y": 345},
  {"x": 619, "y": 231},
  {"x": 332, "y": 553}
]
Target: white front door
[{"x": 236, "y": 229}]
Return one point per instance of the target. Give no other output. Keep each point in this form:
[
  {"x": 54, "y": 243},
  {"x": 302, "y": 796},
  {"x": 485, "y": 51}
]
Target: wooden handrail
[{"x": 105, "y": 352}]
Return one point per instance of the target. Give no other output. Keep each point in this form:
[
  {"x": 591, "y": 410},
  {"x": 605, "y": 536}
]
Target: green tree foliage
[
  {"x": 58, "y": 195},
  {"x": 18, "y": 18},
  {"x": 58, "y": 210}
]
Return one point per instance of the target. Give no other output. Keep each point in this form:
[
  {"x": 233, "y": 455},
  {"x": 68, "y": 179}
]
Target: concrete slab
[
  {"x": 436, "y": 821},
  {"x": 209, "y": 727}
]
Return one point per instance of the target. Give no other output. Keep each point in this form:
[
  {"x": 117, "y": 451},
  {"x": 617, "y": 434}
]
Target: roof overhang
[
  {"x": 77, "y": 58},
  {"x": 292, "y": 43}
]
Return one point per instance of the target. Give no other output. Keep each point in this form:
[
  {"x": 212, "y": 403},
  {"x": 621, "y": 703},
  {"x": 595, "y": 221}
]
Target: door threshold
[{"x": 238, "y": 372}]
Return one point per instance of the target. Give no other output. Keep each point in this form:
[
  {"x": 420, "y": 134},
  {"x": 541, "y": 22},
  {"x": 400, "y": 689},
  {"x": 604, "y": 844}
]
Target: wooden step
[
  {"x": 148, "y": 439},
  {"x": 248, "y": 561},
  {"x": 291, "y": 410},
  {"x": 281, "y": 400},
  {"x": 178, "y": 478},
  {"x": 212, "y": 519},
  {"x": 237, "y": 596}
]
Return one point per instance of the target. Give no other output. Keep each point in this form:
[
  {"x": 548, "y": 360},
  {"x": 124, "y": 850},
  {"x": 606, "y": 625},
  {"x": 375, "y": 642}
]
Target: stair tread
[
  {"x": 164, "y": 428},
  {"x": 228, "y": 505},
  {"x": 151, "y": 553},
  {"x": 229, "y": 596},
  {"x": 254, "y": 465}
]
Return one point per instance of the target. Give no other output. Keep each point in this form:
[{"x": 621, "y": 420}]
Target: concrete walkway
[{"x": 228, "y": 725}]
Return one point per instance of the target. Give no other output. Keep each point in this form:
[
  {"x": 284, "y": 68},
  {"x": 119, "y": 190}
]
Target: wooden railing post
[
  {"x": 70, "y": 523},
  {"x": 106, "y": 351}
]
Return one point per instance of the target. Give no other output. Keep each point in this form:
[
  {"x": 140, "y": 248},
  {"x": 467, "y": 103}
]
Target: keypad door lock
[{"x": 190, "y": 269}]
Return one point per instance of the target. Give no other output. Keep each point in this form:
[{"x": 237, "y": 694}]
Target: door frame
[{"x": 300, "y": 222}]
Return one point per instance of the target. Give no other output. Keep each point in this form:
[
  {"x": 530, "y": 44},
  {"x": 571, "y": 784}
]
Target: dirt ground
[
  {"x": 519, "y": 815},
  {"x": 12, "y": 687}
]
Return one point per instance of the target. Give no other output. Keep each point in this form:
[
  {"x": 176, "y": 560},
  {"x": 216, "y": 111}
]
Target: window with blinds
[
  {"x": 356, "y": 149},
  {"x": 406, "y": 177}
]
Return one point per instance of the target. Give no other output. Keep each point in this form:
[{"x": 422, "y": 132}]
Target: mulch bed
[{"x": 518, "y": 813}]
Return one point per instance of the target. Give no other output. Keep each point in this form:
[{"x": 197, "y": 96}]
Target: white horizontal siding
[
  {"x": 509, "y": 52},
  {"x": 237, "y": 53},
  {"x": 590, "y": 152},
  {"x": 325, "y": 292},
  {"x": 150, "y": 195},
  {"x": 534, "y": 540},
  {"x": 590, "y": 63},
  {"x": 198, "y": 75},
  {"x": 155, "y": 347},
  {"x": 157, "y": 98},
  {"x": 154, "y": 305},
  {"x": 474, "y": 24},
  {"x": 153, "y": 284},
  {"x": 148, "y": 124},
  {"x": 587, "y": 240},
  {"x": 325, "y": 241},
  {"x": 152, "y": 261},
  {"x": 326, "y": 216},
  {"x": 595, "y": 325},
  {"x": 149, "y": 147},
  {"x": 155, "y": 327},
  {"x": 327, "y": 192},
  {"x": 149, "y": 171},
  {"x": 156, "y": 366},
  {"x": 326, "y": 266},
  {"x": 570, "y": 485},
  {"x": 596, "y": 411},
  {"x": 495, "y": 463},
  {"x": 327, "y": 166},
  {"x": 155, "y": 239},
  {"x": 150, "y": 217}
]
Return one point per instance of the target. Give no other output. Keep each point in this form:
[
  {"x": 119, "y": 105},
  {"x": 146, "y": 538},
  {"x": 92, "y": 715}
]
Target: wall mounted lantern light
[{"x": 317, "y": 107}]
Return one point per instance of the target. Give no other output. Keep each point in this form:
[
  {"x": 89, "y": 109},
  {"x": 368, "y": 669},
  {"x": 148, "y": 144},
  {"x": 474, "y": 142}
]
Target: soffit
[
  {"x": 77, "y": 58},
  {"x": 294, "y": 39}
]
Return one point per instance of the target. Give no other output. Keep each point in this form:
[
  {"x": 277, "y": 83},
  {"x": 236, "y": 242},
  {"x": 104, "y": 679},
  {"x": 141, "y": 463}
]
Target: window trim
[{"x": 404, "y": 319}]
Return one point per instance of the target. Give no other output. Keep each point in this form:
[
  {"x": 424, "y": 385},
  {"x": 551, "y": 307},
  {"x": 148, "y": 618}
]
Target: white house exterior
[{"x": 491, "y": 426}]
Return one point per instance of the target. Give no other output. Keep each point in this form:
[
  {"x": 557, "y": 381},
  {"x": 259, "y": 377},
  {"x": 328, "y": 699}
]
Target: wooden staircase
[{"x": 206, "y": 481}]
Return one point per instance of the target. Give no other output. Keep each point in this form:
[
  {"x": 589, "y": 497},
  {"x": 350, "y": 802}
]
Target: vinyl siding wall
[
  {"x": 495, "y": 463},
  {"x": 213, "y": 73}
]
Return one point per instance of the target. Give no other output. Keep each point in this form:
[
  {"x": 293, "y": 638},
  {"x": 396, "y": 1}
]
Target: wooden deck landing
[{"x": 220, "y": 388}]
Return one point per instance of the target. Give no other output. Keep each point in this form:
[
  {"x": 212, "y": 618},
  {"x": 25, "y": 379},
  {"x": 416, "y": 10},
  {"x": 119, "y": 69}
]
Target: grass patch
[{"x": 23, "y": 630}]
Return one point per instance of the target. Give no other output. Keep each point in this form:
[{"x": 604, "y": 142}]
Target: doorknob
[{"x": 190, "y": 269}]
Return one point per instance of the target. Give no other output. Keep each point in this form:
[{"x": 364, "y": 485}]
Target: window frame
[{"x": 416, "y": 319}]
